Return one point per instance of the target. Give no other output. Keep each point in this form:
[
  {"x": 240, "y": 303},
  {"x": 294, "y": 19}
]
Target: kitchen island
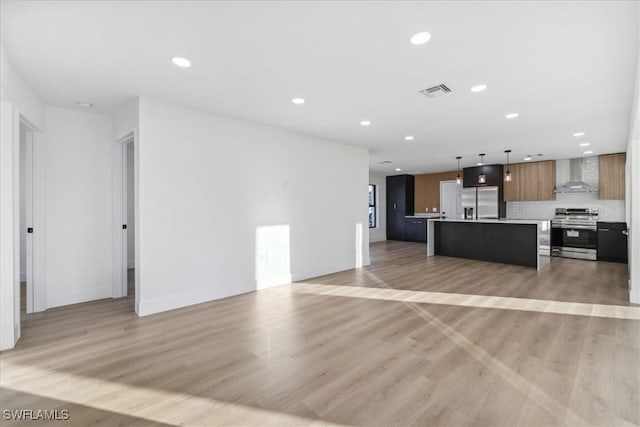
[{"x": 517, "y": 242}]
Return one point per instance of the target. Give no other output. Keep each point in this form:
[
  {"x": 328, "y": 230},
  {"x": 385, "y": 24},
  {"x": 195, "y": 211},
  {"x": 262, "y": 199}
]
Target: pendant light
[
  {"x": 482, "y": 179},
  {"x": 507, "y": 174},
  {"x": 458, "y": 177}
]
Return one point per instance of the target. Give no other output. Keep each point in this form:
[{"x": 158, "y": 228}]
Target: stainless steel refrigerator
[{"x": 480, "y": 203}]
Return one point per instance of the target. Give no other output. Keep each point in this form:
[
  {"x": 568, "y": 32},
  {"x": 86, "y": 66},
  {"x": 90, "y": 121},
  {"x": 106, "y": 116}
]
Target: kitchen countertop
[
  {"x": 495, "y": 221},
  {"x": 428, "y": 215}
]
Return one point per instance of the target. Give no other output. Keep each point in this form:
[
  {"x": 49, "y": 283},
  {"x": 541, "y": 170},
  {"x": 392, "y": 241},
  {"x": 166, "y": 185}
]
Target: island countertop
[{"x": 495, "y": 221}]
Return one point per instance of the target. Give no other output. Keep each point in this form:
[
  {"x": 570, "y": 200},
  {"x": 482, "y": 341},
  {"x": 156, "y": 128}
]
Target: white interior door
[{"x": 451, "y": 199}]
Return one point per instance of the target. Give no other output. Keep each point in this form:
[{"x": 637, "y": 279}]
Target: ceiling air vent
[{"x": 436, "y": 91}]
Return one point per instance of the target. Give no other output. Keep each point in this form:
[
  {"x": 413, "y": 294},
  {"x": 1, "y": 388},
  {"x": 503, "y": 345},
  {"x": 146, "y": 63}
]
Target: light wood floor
[{"x": 406, "y": 341}]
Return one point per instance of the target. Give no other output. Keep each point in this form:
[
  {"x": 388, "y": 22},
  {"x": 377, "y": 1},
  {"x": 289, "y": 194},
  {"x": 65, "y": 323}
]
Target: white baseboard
[
  {"x": 6, "y": 343},
  {"x": 147, "y": 307},
  {"x": 77, "y": 296},
  {"x": 16, "y": 333},
  {"x": 321, "y": 271},
  {"x": 377, "y": 239},
  {"x": 274, "y": 281},
  {"x": 634, "y": 294}
]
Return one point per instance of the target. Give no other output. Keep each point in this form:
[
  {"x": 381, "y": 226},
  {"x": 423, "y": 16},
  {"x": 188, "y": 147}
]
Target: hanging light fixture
[
  {"x": 507, "y": 174},
  {"x": 482, "y": 179},
  {"x": 458, "y": 177}
]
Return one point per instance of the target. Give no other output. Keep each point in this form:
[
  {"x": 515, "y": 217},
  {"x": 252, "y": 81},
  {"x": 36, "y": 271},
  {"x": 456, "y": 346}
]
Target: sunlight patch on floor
[
  {"x": 161, "y": 406},
  {"x": 536, "y": 394},
  {"x": 478, "y": 301}
]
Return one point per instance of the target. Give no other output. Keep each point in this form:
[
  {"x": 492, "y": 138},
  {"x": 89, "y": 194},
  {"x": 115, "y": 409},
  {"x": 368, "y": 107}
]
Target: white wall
[
  {"x": 131, "y": 222},
  {"x": 20, "y": 94},
  {"x": 79, "y": 206},
  {"x": 125, "y": 119},
  {"x": 213, "y": 189},
  {"x": 379, "y": 233}
]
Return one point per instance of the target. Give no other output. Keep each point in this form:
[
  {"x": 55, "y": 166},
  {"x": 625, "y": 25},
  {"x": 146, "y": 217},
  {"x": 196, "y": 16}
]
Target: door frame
[
  {"x": 34, "y": 198},
  {"x": 120, "y": 205},
  {"x": 10, "y": 328}
]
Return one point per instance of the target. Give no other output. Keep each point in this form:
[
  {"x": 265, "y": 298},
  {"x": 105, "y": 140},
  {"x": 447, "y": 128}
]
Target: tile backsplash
[{"x": 608, "y": 210}]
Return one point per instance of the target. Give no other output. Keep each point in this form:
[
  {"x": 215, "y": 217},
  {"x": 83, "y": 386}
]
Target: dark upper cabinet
[
  {"x": 493, "y": 176},
  {"x": 612, "y": 241},
  {"x": 399, "y": 203}
]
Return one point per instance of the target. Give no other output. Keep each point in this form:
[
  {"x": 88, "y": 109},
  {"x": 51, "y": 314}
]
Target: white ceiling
[{"x": 564, "y": 66}]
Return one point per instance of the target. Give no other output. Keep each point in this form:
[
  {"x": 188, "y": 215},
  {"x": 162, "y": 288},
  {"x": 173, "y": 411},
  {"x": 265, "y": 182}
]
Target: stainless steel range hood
[{"x": 576, "y": 184}]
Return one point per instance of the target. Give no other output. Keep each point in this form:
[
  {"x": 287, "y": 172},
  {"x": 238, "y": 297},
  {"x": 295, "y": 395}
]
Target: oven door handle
[{"x": 575, "y": 227}]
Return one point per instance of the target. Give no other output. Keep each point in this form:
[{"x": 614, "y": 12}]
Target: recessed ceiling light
[
  {"x": 588, "y": 152},
  {"x": 408, "y": 138},
  {"x": 398, "y": 169},
  {"x": 181, "y": 62},
  {"x": 512, "y": 115},
  {"x": 527, "y": 158},
  {"x": 420, "y": 38},
  {"x": 578, "y": 134},
  {"x": 84, "y": 104},
  {"x": 297, "y": 101},
  {"x": 478, "y": 88},
  {"x": 585, "y": 144},
  {"x": 479, "y": 164},
  {"x": 365, "y": 123}
]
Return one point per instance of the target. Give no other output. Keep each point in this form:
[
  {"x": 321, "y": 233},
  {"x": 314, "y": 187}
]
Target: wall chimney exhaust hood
[{"x": 576, "y": 183}]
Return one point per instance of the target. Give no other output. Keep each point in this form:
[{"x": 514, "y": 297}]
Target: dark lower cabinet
[
  {"x": 507, "y": 243},
  {"x": 399, "y": 204},
  {"x": 415, "y": 229},
  {"x": 612, "y": 241}
]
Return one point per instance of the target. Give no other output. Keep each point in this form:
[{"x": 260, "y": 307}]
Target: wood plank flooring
[{"x": 408, "y": 340}]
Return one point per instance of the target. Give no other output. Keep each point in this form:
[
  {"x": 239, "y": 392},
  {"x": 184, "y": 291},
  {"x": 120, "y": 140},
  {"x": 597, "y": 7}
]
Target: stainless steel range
[{"x": 574, "y": 233}]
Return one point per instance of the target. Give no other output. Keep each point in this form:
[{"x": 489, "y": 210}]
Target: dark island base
[{"x": 506, "y": 243}]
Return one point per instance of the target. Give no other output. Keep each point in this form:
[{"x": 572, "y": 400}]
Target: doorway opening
[
  {"x": 27, "y": 229},
  {"x": 129, "y": 230},
  {"x": 126, "y": 281}
]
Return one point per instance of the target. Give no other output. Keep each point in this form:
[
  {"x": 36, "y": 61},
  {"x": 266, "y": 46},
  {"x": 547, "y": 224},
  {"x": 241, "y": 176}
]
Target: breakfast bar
[{"x": 517, "y": 242}]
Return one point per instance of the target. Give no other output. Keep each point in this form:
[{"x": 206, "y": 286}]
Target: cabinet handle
[
  {"x": 395, "y": 206},
  {"x": 603, "y": 229},
  {"x": 625, "y": 232}
]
